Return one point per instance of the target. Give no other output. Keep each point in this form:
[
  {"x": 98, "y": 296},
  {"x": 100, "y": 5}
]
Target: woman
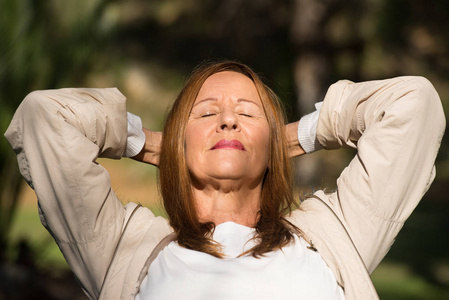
[{"x": 225, "y": 184}]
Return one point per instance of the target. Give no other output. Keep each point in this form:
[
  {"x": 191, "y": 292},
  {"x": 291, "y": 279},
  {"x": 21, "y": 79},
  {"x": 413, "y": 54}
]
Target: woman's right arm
[{"x": 58, "y": 136}]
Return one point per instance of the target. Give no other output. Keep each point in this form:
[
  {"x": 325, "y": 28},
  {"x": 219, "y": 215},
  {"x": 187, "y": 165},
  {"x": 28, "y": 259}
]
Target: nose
[{"x": 228, "y": 120}]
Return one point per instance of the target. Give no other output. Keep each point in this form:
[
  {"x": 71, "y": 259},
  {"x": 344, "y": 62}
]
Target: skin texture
[
  {"x": 227, "y": 180},
  {"x": 152, "y": 147},
  {"x": 294, "y": 148}
]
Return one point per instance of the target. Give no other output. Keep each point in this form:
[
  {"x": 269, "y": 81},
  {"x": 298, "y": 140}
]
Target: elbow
[
  {"x": 30, "y": 107},
  {"x": 424, "y": 89},
  {"x": 35, "y": 107},
  {"x": 429, "y": 103},
  {"x": 33, "y": 100}
]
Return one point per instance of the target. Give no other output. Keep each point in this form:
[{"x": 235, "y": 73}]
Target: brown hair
[{"x": 273, "y": 231}]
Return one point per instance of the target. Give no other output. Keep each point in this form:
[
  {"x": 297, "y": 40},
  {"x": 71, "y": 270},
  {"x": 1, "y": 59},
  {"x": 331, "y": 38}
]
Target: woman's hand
[
  {"x": 151, "y": 149},
  {"x": 291, "y": 132}
]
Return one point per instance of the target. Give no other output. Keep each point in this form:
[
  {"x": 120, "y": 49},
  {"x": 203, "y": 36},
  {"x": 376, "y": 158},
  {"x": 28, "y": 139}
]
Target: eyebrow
[
  {"x": 215, "y": 99},
  {"x": 249, "y": 101},
  {"x": 204, "y": 100}
]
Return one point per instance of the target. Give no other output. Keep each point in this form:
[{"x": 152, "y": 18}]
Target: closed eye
[
  {"x": 246, "y": 115},
  {"x": 208, "y": 115}
]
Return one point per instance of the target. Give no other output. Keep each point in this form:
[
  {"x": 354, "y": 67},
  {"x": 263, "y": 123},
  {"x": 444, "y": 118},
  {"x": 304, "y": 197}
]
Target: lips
[{"x": 228, "y": 144}]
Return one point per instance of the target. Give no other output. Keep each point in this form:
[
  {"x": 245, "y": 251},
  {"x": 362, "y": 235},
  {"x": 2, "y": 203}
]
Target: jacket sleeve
[
  {"x": 58, "y": 136},
  {"x": 396, "y": 125}
]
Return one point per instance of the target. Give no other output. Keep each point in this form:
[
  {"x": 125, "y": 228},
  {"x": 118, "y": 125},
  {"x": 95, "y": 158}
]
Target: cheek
[{"x": 261, "y": 138}]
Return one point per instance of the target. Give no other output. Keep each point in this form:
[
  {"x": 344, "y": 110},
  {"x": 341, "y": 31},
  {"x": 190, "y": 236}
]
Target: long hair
[{"x": 273, "y": 231}]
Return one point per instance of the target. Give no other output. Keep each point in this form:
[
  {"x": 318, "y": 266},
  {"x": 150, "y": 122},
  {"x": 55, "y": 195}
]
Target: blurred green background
[{"x": 148, "y": 48}]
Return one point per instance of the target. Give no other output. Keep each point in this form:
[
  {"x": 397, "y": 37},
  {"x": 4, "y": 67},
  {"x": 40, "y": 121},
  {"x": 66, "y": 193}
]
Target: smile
[{"x": 229, "y": 144}]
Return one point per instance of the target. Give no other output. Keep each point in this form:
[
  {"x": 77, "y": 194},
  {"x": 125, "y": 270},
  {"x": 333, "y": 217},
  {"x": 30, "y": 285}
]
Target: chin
[{"x": 224, "y": 171}]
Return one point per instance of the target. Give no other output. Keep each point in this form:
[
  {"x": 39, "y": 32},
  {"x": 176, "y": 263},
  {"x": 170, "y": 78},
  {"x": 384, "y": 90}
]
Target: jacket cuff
[
  {"x": 136, "y": 136},
  {"x": 307, "y": 130}
]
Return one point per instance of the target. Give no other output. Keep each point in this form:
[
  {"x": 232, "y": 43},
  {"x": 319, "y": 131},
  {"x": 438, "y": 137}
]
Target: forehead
[{"x": 228, "y": 84}]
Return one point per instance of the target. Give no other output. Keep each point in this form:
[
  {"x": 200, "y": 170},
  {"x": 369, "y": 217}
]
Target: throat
[
  {"x": 248, "y": 220},
  {"x": 240, "y": 208}
]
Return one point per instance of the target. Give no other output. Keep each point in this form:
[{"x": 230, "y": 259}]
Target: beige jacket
[{"x": 396, "y": 126}]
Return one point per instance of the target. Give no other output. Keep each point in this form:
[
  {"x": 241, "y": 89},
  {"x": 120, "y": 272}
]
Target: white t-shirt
[{"x": 295, "y": 272}]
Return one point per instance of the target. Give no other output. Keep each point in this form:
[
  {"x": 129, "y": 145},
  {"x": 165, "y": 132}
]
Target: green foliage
[
  {"x": 42, "y": 45},
  {"x": 52, "y": 43}
]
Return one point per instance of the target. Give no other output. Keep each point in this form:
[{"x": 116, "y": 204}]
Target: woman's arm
[
  {"x": 396, "y": 125},
  {"x": 151, "y": 149},
  {"x": 152, "y": 144},
  {"x": 58, "y": 136},
  {"x": 294, "y": 146}
]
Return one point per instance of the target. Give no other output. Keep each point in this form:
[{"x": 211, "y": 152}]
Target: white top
[{"x": 295, "y": 272}]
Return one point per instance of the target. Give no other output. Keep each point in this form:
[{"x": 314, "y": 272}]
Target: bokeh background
[{"x": 148, "y": 48}]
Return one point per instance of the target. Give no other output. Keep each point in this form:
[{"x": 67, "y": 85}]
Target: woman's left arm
[
  {"x": 293, "y": 143},
  {"x": 396, "y": 125}
]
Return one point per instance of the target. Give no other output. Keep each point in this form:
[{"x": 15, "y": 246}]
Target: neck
[{"x": 228, "y": 203}]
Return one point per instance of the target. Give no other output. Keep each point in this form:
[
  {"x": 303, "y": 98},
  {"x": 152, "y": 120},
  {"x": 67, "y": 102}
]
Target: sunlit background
[{"x": 148, "y": 48}]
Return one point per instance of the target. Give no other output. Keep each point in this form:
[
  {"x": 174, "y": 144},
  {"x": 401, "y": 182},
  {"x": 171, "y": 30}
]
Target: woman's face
[{"x": 227, "y": 134}]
